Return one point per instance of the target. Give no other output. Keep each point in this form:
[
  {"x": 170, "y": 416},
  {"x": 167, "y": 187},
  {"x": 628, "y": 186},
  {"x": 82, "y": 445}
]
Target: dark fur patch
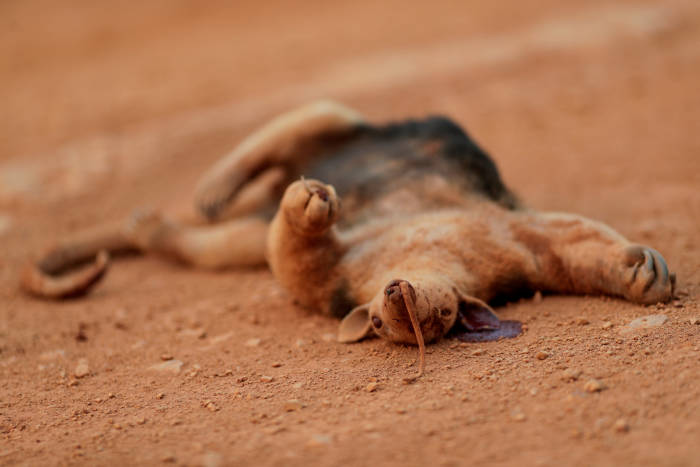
[
  {"x": 379, "y": 159},
  {"x": 341, "y": 301}
]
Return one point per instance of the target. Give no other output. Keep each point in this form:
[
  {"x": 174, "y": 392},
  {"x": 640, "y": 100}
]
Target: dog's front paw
[
  {"x": 310, "y": 206},
  {"x": 646, "y": 276}
]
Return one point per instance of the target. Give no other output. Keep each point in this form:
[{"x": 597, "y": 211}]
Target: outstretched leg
[
  {"x": 577, "y": 255},
  {"x": 285, "y": 144},
  {"x": 236, "y": 243},
  {"x": 72, "y": 268}
]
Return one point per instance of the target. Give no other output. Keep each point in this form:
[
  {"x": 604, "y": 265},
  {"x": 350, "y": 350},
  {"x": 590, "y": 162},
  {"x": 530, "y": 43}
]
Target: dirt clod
[
  {"x": 621, "y": 425},
  {"x": 594, "y": 385},
  {"x": 293, "y": 405},
  {"x": 82, "y": 369},
  {"x": 571, "y": 374}
]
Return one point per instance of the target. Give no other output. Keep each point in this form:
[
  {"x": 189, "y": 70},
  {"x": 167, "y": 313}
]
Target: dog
[{"x": 426, "y": 237}]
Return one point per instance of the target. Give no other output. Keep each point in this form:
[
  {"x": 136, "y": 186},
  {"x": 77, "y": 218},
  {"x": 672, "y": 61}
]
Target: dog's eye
[
  {"x": 376, "y": 322},
  {"x": 445, "y": 312}
]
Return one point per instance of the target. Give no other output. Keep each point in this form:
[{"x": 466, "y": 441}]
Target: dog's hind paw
[{"x": 646, "y": 276}]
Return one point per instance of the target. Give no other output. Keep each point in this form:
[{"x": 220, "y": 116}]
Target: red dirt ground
[{"x": 590, "y": 107}]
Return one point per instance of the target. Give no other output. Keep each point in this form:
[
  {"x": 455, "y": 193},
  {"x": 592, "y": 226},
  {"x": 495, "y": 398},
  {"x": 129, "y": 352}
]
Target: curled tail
[{"x": 72, "y": 269}]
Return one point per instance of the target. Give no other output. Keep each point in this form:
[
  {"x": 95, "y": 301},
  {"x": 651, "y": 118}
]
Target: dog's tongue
[{"x": 506, "y": 330}]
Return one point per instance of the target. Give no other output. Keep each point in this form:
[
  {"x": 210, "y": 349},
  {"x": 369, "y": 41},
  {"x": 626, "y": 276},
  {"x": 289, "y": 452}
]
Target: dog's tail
[{"x": 71, "y": 269}]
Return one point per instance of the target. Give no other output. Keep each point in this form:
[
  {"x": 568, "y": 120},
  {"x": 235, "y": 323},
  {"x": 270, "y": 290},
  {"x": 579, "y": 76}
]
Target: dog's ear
[
  {"x": 476, "y": 315},
  {"x": 356, "y": 325}
]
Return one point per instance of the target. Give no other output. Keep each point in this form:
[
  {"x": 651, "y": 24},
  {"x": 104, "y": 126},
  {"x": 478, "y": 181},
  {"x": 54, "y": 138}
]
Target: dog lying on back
[{"x": 426, "y": 237}]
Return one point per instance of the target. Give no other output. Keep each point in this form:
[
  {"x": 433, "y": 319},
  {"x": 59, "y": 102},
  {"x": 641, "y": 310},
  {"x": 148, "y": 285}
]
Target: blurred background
[{"x": 101, "y": 96}]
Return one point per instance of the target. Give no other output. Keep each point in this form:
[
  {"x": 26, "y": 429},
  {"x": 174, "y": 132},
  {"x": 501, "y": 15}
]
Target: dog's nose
[
  {"x": 322, "y": 193},
  {"x": 393, "y": 290}
]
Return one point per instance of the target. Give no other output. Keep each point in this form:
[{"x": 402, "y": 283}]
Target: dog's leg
[
  {"x": 577, "y": 255},
  {"x": 286, "y": 143},
  {"x": 72, "y": 267},
  {"x": 235, "y": 243},
  {"x": 302, "y": 246}
]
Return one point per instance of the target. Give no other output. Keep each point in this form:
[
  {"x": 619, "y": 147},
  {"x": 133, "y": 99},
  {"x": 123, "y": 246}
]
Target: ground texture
[{"x": 591, "y": 107}]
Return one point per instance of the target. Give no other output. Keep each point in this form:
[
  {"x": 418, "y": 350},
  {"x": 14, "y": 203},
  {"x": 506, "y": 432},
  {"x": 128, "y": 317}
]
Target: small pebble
[
  {"x": 571, "y": 374},
  {"x": 254, "y": 342},
  {"x": 694, "y": 320},
  {"x": 160, "y": 395},
  {"x": 518, "y": 417},
  {"x": 319, "y": 440},
  {"x": 82, "y": 369},
  {"x": 645, "y": 322},
  {"x": 166, "y": 356},
  {"x": 211, "y": 407},
  {"x": 371, "y": 387},
  {"x": 478, "y": 352},
  {"x": 582, "y": 321},
  {"x": 607, "y": 325},
  {"x": 276, "y": 365},
  {"x": 168, "y": 366},
  {"x": 541, "y": 355},
  {"x": 593, "y": 385},
  {"x": 266, "y": 379},
  {"x": 293, "y": 405},
  {"x": 621, "y": 426}
]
